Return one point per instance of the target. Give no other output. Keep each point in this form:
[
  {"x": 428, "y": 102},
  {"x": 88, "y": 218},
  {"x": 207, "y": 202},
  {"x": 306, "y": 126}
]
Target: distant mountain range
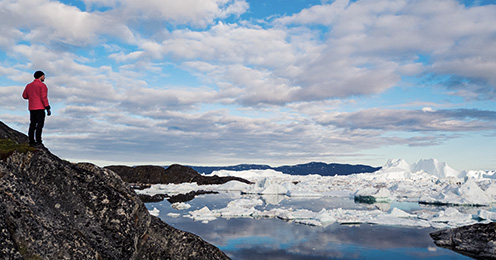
[{"x": 320, "y": 168}]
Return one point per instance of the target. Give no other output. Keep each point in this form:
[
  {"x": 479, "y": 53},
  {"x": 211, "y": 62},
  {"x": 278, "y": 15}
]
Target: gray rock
[
  {"x": 54, "y": 209},
  {"x": 477, "y": 241}
]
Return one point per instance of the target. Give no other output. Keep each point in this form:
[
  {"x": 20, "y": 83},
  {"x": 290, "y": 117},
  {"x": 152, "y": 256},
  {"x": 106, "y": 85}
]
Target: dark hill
[
  {"x": 320, "y": 168},
  {"x": 175, "y": 173}
]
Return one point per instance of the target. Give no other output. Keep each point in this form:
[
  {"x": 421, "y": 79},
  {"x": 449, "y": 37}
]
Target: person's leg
[
  {"x": 32, "y": 126},
  {"x": 40, "y": 122}
]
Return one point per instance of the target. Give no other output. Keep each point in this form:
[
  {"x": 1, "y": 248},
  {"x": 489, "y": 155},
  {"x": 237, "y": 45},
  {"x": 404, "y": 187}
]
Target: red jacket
[{"x": 37, "y": 94}]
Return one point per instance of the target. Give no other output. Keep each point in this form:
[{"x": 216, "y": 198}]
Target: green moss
[
  {"x": 8, "y": 146},
  {"x": 23, "y": 250}
]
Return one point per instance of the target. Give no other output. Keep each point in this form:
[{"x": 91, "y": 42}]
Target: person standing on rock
[{"x": 36, "y": 93}]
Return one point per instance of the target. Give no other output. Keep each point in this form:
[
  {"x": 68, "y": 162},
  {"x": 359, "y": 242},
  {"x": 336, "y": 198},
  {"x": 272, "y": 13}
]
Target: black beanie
[{"x": 38, "y": 74}]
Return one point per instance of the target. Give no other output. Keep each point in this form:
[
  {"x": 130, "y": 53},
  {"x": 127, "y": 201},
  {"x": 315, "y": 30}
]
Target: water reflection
[
  {"x": 247, "y": 238},
  {"x": 275, "y": 239}
]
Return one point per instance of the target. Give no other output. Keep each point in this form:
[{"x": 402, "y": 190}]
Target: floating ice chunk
[
  {"x": 204, "y": 214},
  {"x": 304, "y": 193},
  {"x": 239, "y": 208},
  {"x": 245, "y": 203},
  {"x": 491, "y": 190},
  {"x": 473, "y": 193},
  {"x": 266, "y": 186},
  {"x": 235, "y": 211},
  {"x": 399, "y": 221},
  {"x": 452, "y": 217},
  {"x": 154, "y": 212},
  {"x": 355, "y": 216},
  {"x": 489, "y": 215},
  {"x": 273, "y": 199},
  {"x": 234, "y": 186},
  {"x": 429, "y": 180},
  {"x": 409, "y": 189},
  {"x": 369, "y": 191},
  {"x": 382, "y": 193},
  {"x": 180, "y": 205},
  {"x": 468, "y": 193},
  {"x": 275, "y": 189},
  {"x": 174, "y": 215},
  {"x": 297, "y": 214},
  {"x": 273, "y": 213},
  {"x": 401, "y": 214},
  {"x": 324, "y": 217},
  {"x": 425, "y": 214},
  {"x": 481, "y": 174}
]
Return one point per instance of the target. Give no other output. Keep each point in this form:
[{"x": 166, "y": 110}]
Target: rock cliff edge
[{"x": 54, "y": 209}]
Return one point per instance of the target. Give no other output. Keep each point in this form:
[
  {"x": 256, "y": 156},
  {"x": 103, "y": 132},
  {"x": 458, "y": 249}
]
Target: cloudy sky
[{"x": 221, "y": 82}]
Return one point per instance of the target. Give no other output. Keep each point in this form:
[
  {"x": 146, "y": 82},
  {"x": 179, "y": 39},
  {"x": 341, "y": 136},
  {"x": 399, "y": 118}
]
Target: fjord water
[{"x": 272, "y": 238}]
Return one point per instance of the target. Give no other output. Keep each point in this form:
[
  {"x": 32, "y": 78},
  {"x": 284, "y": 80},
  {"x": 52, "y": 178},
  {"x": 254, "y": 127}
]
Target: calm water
[{"x": 246, "y": 238}]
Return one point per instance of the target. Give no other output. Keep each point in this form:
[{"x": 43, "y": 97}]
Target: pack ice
[{"x": 446, "y": 197}]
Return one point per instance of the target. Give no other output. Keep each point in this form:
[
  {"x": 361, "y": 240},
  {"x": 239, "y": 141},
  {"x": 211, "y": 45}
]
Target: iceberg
[
  {"x": 434, "y": 188},
  {"x": 154, "y": 212},
  {"x": 180, "y": 205},
  {"x": 439, "y": 169},
  {"x": 487, "y": 215},
  {"x": 468, "y": 193}
]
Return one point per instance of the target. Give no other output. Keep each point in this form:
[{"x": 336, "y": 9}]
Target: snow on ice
[{"x": 457, "y": 197}]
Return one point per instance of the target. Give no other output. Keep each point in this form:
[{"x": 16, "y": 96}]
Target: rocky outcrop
[
  {"x": 173, "y": 174},
  {"x": 477, "y": 241},
  {"x": 54, "y": 209}
]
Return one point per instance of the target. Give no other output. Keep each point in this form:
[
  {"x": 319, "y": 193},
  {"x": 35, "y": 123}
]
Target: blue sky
[{"x": 220, "y": 82}]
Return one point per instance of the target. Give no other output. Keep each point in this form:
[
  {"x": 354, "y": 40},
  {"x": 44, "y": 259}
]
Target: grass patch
[{"x": 8, "y": 146}]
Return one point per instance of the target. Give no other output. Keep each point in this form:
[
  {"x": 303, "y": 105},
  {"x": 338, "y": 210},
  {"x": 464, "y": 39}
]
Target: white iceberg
[
  {"x": 439, "y": 169},
  {"x": 487, "y": 215},
  {"x": 204, "y": 214},
  {"x": 395, "y": 169},
  {"x": 427, "y": 181},
  {"x": 468, "y": 193},
  {"x": 401, "y": 214},
  {"x": 154, "y": 212},
  {"x": 451, "y": 217},
  {"x": 180, "y": 205}
]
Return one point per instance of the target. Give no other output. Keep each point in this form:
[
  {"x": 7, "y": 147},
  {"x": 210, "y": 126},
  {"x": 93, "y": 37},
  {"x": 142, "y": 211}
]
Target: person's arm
[
  {"x": 25, "y": 93},
  {"x": 44, "y": 99}
]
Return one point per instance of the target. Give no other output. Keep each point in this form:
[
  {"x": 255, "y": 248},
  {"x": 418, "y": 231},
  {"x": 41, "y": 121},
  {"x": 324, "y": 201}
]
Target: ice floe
[
  {"x": 180, "y": 205},
  {"x": 154, "y": 212},
  {"x": 450, "y": 196}
]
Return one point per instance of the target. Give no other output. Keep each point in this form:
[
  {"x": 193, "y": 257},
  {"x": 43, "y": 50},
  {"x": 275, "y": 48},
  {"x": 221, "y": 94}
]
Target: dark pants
[{"x": 37, "y": 122}]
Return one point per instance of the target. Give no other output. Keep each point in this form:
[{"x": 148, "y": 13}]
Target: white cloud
[
  {"x": 292, "y": 87},
  {"x": 156, "y": 102},
  {"x": 46, "y": 21},
  {"x": 320, "y": 14},
  {"x": 413, "y": 120},
  {"x": 193, "y": 12},
  {"x": 10, "y": 97}
]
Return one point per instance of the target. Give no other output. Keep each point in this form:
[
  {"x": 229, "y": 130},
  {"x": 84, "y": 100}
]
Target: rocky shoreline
[
  {"x": 141, "y": 177},
  {"x": 54, "y": 209},
  {"x": 477, "y": 241}
]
